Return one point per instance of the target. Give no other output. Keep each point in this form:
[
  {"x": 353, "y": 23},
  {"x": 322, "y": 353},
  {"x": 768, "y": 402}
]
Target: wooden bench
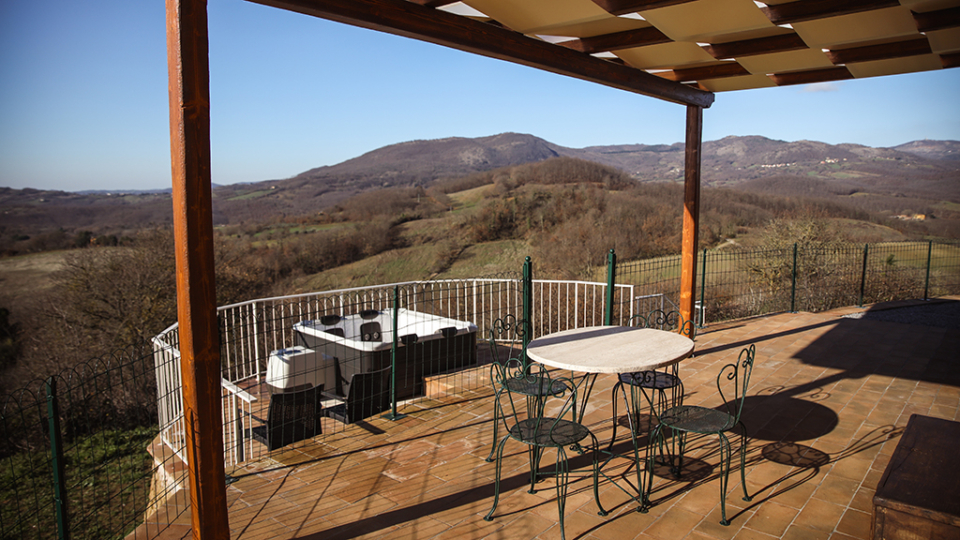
[{"x": 919, "y": 493}]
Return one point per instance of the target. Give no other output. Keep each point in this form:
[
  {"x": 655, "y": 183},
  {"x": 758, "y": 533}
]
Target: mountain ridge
[{"x": 925, "y": 169}]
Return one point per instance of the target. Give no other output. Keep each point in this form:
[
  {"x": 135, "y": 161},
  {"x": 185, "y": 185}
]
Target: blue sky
[{"x": 83, "y": 98}]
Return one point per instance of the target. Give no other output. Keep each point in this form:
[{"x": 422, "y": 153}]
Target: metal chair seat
[
  {"x": 549, "y": 432},
  {"x": 694, "y": 419}
]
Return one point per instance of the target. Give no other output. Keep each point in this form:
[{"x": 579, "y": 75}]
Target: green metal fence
[
  {"x": 74, "y": 460},
  {"x": 743, "y": 283}
]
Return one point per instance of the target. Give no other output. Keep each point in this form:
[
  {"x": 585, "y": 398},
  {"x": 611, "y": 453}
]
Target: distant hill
[
  {"x": 932, "y": 149},
  {"x": 924, "y": 170}
]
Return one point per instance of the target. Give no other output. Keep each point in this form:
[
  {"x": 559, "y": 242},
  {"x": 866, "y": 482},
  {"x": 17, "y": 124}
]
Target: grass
[
  {"x": 419, "y": 262},
  {"x": 489, "y": 258},
  {"x": 108, "y": 482},
  {"x": 24, "y": 276},
  {"x": 251, "y": 195},
  {"x": 470, "y": 198}
]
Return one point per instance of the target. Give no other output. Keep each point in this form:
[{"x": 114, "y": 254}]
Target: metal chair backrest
[
  {"x": 664, "y": 320},
  {"x": 735, "y": 377},
  {"x": 543, "y": 409},
  {"x": 507, "y": 341}
]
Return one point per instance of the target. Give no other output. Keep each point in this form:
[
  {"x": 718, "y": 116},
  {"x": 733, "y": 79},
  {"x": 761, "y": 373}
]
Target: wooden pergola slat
[
  {"x": 839, "y": 73},
  {"x": 754, "y": 47},
  {"x": 616, "y": 41},
  {"x": 714, "y": 71},
  {"x": 886, "y": 51},
  {"x": 808, "y": 10},
  {"x": 623, "y": 7}
]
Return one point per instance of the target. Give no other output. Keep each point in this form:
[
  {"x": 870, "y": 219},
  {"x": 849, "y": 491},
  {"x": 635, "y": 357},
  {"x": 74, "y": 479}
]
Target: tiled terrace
[{"x": 828, "y": 401}]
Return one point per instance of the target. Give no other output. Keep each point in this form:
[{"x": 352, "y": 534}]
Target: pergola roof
[{"x": 707, "y": 45}]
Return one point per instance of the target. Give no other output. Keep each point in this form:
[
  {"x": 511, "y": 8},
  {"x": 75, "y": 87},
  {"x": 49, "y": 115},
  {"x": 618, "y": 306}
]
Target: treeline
[
  {"x": 16, "y": 243},
  {"x": 560, "y": 170}
]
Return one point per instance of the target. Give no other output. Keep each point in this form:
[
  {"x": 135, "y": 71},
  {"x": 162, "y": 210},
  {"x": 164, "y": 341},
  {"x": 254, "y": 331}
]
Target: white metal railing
[{"x": 251, "y": 330}]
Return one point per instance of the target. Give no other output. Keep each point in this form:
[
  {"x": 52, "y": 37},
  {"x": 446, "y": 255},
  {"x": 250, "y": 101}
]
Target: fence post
[
  {"x": 393, "y": 415},
  {"x": 863, "y": 275},
  {"x": 703, "y": 287},
  {"x": 793, "y": 285},
  {"x": 527, "y": 298},
  {"x": 926, "y": 284},
  {"x": 611, "y": 280},
  {"x": 56, "y": 452}
]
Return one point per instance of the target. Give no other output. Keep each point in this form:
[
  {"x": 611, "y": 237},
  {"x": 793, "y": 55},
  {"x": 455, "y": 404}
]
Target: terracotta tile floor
[{"x": 828, "y": 401}]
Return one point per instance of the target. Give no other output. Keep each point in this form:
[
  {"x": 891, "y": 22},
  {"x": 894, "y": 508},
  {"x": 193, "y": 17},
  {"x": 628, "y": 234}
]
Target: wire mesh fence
[
  {"x": 743, "y": 283},
  {"x": 75, "y": 460}
]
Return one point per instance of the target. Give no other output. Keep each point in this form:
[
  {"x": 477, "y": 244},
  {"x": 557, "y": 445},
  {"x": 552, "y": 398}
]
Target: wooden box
[{"x": 919, "y": 493}]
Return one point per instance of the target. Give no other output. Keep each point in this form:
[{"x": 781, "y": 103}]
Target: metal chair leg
[
  {"x": 496, "y": 483},
  {"x": 743, "y": 462},
  {"x": 596, "y": 476},
  {"x": 613, "y": 438},
  {"x": 724, "y": 477},
  {"x": 496, "y": 425},
  {"x": 563, "y": 480}
]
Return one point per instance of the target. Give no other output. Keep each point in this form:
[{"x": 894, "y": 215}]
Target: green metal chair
[
  {"x": 547, "y": 421},
  {"x": 665, "y": 386},
  {"x": 508, "y": 332},
  {"x": 686, "y": 419}
]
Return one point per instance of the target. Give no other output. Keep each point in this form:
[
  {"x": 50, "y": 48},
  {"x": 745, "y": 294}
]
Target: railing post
[
  {"x": 393, "y": 415},
  {"x": 926, "y": 284},
  {"x": 863, "y": 275},
  {"x": 527, "y": 298},
  {"x": 611, "y": 280},
  {"x": 703, "y": 287},
  {"x": 56, "y": 452},
  {"x": 793, "y": 284}
]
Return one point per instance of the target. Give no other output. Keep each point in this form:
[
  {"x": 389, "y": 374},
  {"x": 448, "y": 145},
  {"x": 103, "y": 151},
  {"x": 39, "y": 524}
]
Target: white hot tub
[{"x": 362, "y": 342}]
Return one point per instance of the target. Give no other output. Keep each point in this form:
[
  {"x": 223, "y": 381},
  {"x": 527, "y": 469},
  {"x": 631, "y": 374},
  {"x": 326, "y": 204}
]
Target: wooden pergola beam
[
  {"x": 937, "y": 20},
  {"x": 407, "y": 19},
  {"x": 950, "y": 60},
  {"x": 189, "y": 84},
  {"x": 899, "y": 49},
  {"x": 616, "y": 41},
  {"x": 713, "y": 71},
  {"x": 754, "y": 47},
  {"x": 839, "y": 73},
  {"x": 808, "y": 10}
]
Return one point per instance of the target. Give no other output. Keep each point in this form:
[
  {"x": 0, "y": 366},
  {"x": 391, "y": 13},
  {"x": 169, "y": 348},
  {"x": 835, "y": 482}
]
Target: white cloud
[{"x": 822, "y": 87}]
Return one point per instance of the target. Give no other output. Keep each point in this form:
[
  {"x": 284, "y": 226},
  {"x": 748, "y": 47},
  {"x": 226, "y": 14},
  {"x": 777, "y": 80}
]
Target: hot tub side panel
[
  {"x": 414, "y": 361},
  {"x": 425, "y": 358}
]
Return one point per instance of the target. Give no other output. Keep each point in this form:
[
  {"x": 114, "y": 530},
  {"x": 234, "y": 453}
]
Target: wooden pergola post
[
  {"x": 189, "y": 82},
  {"x": 691, "y": 211}
]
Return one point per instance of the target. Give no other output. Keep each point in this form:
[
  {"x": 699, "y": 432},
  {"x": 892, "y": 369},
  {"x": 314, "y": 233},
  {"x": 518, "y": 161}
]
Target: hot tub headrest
[
  {"x": 449, "y": 331},
  {"x": 370, "y": 331},
  {"x": 409, "y": 339},
  {"x": 329, "y": 320},
  {"x": 368, "y": 314}
]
